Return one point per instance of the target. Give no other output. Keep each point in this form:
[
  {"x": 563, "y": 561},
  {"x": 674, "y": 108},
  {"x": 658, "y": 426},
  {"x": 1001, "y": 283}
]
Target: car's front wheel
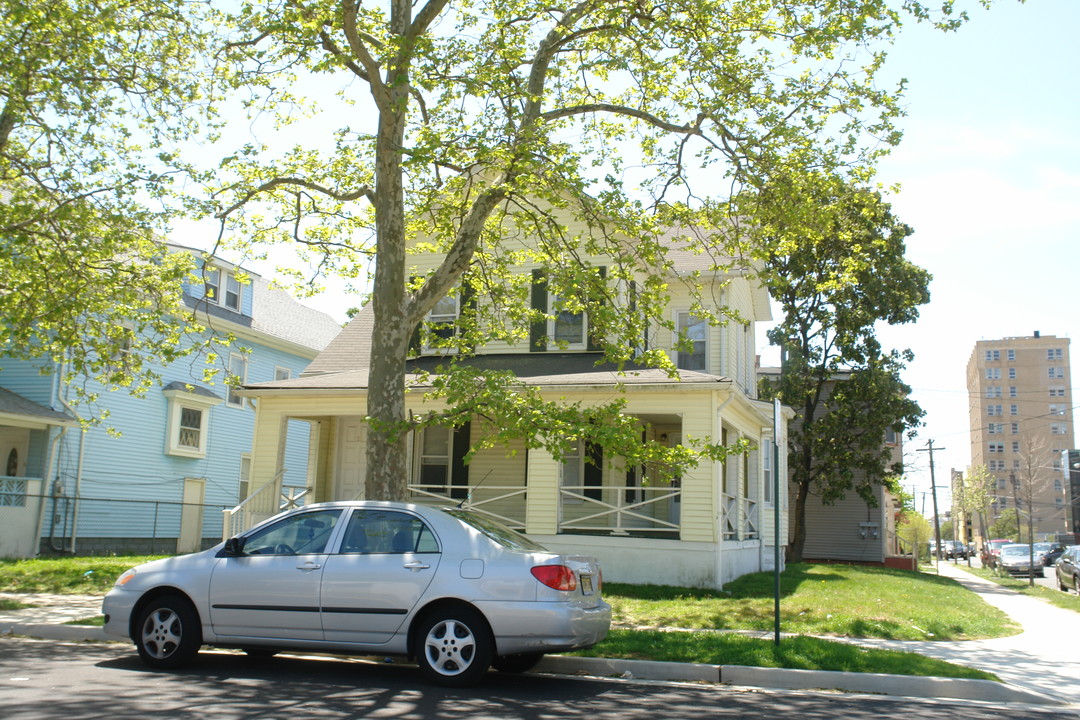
[
  {"x": 168, "y": 634},
  {"x": 454, "y": 647}
]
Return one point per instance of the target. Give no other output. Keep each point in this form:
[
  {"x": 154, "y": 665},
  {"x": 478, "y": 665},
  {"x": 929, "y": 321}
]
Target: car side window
[
  {"x": 295, "y": 535},
  {"x": 387, "y": 531}
]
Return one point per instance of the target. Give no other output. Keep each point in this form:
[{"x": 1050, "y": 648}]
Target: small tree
[
  {"x": 837, "y": 273},
  {"x": 974, "y": 493}
]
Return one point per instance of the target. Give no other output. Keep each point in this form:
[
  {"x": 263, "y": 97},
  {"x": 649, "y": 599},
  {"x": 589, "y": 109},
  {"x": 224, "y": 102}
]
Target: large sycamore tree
[
  {"x": 471, "y": 124},
  {"x": 90, "y": 92},
  {"x": 838, "y": 274}
]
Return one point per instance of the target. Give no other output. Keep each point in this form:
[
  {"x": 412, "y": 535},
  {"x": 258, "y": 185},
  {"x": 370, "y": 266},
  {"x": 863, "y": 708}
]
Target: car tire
[
  {"x": 517, "y": 663},
  {"x": 1076, "y": 584},
  {"x": 168, "y": 633},
  {"x": 453, "y": 647}
]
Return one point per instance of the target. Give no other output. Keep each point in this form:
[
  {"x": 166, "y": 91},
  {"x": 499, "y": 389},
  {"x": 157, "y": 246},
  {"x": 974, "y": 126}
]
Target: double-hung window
[
  {"x": 569, "y": 327},
  {"x": 238, "y": 367},
  {"x": 694, "y": 332}
]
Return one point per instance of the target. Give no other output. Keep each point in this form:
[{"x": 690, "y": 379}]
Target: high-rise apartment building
[{"x": 1021, "y": 423}]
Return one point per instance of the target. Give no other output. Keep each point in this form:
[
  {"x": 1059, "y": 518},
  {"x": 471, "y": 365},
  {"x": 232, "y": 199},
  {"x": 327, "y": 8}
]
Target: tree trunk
[
  {"x": 798, "y": 523},
  {"x": 386, "y": 476}
]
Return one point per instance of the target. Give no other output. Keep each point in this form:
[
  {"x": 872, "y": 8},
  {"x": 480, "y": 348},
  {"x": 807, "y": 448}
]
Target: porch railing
[
  {"x": 739, "y": 518},
  {"x": 584, "y": 509},
  {"x": 261, "y": 502},
  {"x": 502, "y": 502}
]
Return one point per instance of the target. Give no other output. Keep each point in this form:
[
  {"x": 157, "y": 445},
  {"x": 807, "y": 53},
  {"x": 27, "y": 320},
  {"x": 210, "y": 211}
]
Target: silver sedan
[{"x": 453, "y": 589}]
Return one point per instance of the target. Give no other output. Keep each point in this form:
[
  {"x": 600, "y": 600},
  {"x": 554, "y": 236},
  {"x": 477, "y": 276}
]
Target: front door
[
  {"x": 352, "y": 445},
  {"x": 272, "y": 591},
  {"x": 387, "y": 560}
]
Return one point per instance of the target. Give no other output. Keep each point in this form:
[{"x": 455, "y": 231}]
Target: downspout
[
  {"x": 718, "y": 494},
  {"x": 78, "y": 467},
  {"x": 47, "y": 481}
]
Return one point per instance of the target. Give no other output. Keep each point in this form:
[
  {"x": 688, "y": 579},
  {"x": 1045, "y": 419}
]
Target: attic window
[{"x": 221, "y": 288}]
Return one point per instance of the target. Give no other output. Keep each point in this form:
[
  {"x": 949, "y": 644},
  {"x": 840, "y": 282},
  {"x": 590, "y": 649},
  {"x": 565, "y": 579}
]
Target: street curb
[
  {"x": 47, "y": 631},
  {"x": 784, "y": 679},
  {"x": 766, "y": 678}
]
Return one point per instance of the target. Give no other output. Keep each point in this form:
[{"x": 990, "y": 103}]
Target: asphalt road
[{"x": 58, "y": 681}]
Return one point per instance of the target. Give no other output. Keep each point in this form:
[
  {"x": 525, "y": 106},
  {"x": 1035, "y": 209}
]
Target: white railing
[
  {"x": 491, "y": 494},
  {"x": 261, "y": 503},
  {"x": 581, "y": 512},
  {"x": 740, "y": 518}
]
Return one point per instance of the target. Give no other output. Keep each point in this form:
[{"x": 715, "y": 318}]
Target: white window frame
[
  {"x": 426, "y": 457},
  {"x": 439, "y": 315},
  {"x": 212, "y": 284},
  {"x": 1012, "y": 373},
  {"x": 575, "y": 451},
  {"x": 282, "y": 373},
  {"x": 552, "y": 324},
  {"x": 178, "y": 401},
  {"x": 683, "y": 322},
  {"x": 1011, "y": 355},
  {"x": 232, "y": 291},
  {"x": 237, "y": 361},
  {"x": 243, "y": 487}
]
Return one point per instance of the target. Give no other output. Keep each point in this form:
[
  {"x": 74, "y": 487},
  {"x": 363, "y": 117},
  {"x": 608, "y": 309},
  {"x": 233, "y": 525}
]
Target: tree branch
[{"x": 365, "y": 191}]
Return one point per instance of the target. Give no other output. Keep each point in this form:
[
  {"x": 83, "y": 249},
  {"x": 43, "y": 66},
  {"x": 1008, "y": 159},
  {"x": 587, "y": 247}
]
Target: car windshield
[
  {"x": 1014, "y": 550},
  {"x": 1042, "y": 547},
  {"x": 495, "y": 530}
]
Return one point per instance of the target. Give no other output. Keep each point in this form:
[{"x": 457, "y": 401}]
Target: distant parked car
[
  {"x": 1019, "y": 560},
  {"x": 450, "y": 588},
  {"x": 954, "y": 549},
  {"x": 990, "y": 552},
  {"x": 1067, "y": 569},
  {"x": 1050, "y": 556}
]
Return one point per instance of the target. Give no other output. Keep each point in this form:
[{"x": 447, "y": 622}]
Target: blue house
[{"x": 183, "y": 453}]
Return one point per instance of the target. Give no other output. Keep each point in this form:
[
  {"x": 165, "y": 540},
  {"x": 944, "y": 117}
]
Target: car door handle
[
  {"x": 309, "y": 566},
  {"x": 417, "y": 565}
]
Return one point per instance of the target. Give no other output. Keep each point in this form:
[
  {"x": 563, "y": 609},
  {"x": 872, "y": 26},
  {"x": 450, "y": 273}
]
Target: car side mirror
[{"x": 234, "y": 547}]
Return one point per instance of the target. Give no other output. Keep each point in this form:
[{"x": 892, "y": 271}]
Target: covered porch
[{"x": 702, "y": 529}]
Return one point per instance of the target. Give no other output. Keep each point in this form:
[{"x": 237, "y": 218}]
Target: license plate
[{"x": 586, "y": 585}]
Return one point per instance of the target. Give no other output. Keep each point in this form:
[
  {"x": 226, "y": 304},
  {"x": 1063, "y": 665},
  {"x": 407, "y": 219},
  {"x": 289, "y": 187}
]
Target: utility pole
[{"x": 933, "y": 495}]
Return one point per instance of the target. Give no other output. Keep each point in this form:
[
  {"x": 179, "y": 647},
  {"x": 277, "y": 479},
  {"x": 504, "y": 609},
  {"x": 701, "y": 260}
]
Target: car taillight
[{"x": 556, "y": 577}]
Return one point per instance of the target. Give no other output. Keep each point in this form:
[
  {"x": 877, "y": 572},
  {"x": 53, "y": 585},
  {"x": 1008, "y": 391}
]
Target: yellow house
[{"x": 710, "y": 526}]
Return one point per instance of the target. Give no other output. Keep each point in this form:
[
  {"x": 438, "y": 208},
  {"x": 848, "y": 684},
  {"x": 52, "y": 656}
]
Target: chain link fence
[{"x": 101, "y": 526}]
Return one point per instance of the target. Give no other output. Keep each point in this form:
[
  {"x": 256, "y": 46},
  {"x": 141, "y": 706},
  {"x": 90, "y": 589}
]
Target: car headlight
[{"x": 125, "y": 578}]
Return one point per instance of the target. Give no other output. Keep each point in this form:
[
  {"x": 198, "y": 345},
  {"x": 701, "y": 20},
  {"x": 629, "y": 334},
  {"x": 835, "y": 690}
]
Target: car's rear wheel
[
  {"x": 1076, "y": 584},
  {"x": 517, "y": 663},
  {"x": 168, "y": 634},
  {"x": 454, "y": 647}
]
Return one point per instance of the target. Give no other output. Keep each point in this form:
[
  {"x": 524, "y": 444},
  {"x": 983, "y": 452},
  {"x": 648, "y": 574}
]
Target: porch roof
[
  {"x": 536, "y": 369},
  {"x": 23, "y": 412}
]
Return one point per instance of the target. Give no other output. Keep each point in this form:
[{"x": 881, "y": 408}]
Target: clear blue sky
[{"x": 990, "y": 175}]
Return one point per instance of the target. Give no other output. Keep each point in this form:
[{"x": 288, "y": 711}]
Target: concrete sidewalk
[
  {"x": 1044, "y": 658},
  {"x": 1035, "y": 665}
]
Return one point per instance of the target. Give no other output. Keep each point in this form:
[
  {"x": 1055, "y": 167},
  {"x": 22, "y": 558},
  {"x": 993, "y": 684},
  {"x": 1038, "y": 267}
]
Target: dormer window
[
  {"x": 232, "y": 292},
  {"x": 214, "y": 279}
]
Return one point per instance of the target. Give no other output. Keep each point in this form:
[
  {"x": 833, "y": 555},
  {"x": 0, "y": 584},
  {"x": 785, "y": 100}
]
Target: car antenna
[{"x": 468, "y": 495}]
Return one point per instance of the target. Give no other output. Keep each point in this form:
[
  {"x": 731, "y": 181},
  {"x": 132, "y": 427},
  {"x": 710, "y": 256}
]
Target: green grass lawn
[
  {"x": 846, "y": 600},
  {"x": 798, "y": 653},
  {"x": 66, "y": 576}
]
